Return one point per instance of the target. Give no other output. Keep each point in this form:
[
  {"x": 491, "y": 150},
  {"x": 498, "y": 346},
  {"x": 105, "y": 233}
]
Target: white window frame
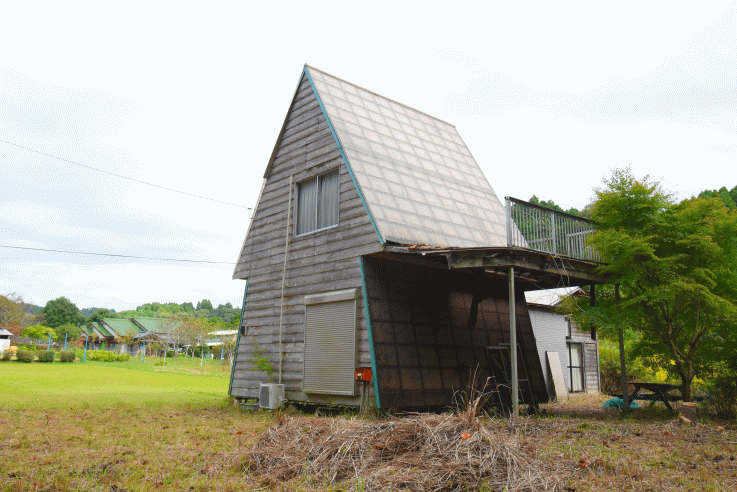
[
  {"x": 316, "y": 179},
  {"x": 571, "y": 367}
]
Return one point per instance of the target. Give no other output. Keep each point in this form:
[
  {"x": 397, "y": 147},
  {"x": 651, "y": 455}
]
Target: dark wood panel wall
[
  {"x": 321, "y": 261},
  {"x": 431, "y": 328}
]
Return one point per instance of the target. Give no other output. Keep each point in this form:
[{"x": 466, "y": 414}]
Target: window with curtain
[
  {"x": 317, "y": 202},
  {"x": 575, "y": 366}
]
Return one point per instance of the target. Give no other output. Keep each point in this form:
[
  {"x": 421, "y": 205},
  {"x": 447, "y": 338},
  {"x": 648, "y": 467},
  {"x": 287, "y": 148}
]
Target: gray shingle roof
[{"x": 419, "y": 181}]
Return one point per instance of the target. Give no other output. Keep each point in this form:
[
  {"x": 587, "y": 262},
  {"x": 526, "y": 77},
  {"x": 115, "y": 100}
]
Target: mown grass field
[
  {"x": 133, "y": 427},
  {"x": 122, "y": 426}
]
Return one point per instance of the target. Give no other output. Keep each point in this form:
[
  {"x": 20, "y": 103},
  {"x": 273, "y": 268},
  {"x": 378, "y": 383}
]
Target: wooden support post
[
  {"x": 513, "y": 344},
  {"x": 592, "y": 303},
  {"x": 620, "y": 331}
]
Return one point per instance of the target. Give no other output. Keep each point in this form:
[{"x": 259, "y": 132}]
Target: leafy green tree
[
  {"x": 204, "y": 304},
  {"x": 37, "y": 333},
  {"x": 12, "y": 314},
  {"x": 677, "y": 265},
  {"x": 61, "y": 311},
  {"x": 727, "y": 197},
  {"x": 586, "y": 212},
  {"x": 99, "y": 314},
  {"x": 71, "y": 331}
]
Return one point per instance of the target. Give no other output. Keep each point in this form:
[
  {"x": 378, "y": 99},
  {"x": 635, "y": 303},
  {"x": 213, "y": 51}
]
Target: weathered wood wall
[{"x": 321, "y": 261}]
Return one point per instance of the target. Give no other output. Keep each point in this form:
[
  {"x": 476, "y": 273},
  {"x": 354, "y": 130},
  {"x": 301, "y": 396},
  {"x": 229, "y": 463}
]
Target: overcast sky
[{"x": 191, "y": 96}]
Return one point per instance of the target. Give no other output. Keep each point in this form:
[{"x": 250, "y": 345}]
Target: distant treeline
[
  {"x": 226, "y": 313},
  {"x": 728, "y": 197}
]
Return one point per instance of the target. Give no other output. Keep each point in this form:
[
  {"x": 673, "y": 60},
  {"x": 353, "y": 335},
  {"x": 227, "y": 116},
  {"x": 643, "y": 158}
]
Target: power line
[
  {"x": 121, "y": 176},
  {"x": 118, "y": 256}
]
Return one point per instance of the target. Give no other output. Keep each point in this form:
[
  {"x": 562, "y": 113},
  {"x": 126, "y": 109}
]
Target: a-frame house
[{"x": 374, "y": 245}]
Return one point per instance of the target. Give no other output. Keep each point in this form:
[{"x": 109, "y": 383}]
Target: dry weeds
[{"x": 418, "y": 452}]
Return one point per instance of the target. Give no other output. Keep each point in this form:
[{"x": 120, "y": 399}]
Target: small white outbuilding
[{"x": 5, "y": 336}]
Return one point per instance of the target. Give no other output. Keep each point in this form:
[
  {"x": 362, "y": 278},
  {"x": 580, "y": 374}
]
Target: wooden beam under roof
[{"x": 540, "y": 269}]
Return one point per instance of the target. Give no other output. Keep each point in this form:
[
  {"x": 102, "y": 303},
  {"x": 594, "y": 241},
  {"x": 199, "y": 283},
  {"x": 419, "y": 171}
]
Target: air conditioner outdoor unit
[{"x": 271, "y": 395}]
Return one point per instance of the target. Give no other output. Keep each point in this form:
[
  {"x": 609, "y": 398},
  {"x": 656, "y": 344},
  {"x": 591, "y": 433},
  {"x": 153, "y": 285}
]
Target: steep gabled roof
[
  {"x": 416, "y": 177},
  {"x": 100, "y": 328},
  {"x": 87, "y": 331}
]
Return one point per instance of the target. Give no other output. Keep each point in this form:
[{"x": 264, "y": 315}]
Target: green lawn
[
  {"x": 122, "y": 426},
  {"x": 100, "y": 384}
]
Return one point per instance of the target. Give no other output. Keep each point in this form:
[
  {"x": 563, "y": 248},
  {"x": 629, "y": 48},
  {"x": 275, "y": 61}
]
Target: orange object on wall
[{"x": 363, "y": 374}]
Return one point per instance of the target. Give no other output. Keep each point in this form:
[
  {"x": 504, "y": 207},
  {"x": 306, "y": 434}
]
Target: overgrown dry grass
[
  {"x": 418, "y": 452},
  {"x": 648, "y": 450}
]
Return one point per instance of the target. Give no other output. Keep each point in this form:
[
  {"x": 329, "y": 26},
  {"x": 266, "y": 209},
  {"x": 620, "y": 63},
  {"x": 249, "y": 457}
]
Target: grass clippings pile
[{"x": 423, "y": 452}]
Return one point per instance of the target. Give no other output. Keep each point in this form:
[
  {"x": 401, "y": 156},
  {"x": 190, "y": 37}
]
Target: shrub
[
  {"x": 106, "y": 356},
  {"x": 198, "y": 352},
  {"x": 40, "y": 347},
  {"x": 721, "y": 389},
  {"x": 638, "y": 368},
  {"x": 25, "y": 356},
  {"x": 46, "y": 356},
  {"x": 67, "y": 356},
  {"x": 26, "y": 346},
  {"x": 6, "y": 356}
]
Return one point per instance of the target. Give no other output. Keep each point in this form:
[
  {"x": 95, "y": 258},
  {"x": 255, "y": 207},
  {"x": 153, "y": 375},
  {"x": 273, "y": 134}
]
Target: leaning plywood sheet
[{"x": 557, "y": 372}]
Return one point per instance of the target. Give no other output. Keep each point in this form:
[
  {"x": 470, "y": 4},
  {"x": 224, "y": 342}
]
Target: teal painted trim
[
  {"x": 370, "y": 334},
  {"x": 238, "y": 340},
  {"x": 345, "y": 159}
]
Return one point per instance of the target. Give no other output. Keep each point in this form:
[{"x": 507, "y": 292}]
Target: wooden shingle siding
[{"x": 320, "y": 261}]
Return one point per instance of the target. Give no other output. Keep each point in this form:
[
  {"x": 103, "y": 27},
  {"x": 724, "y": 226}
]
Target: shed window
[
  {"x": 330, "y": 343},
  {"x": 317, "y": 202},
  {"x": 575, "y": 367}
]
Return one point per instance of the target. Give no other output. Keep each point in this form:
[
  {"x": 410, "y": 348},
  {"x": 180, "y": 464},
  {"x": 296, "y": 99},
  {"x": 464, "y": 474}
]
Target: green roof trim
[{"x": 306, "y": 73}]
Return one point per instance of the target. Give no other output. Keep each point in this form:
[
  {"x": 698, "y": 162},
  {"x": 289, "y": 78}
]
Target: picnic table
[{"x": 658, "y": 392}]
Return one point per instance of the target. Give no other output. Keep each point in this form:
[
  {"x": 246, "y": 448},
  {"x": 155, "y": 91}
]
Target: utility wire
[
  {"x": 118, "y": 256},
  {"x": 121, "y": 176}
]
